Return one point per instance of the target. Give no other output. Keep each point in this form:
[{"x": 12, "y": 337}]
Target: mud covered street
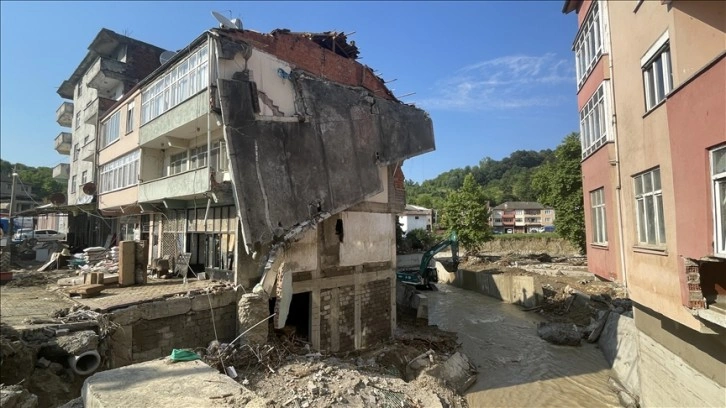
[{"x": 516, "y": 367}]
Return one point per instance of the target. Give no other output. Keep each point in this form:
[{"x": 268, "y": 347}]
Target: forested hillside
[
  {"x": 509, "y": 179},
  {"x": 40, "y": 179}
]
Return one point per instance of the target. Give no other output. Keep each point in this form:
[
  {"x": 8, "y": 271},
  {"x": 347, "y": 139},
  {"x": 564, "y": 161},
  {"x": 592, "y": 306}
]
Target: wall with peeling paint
[{"x": 368, "y": 238}]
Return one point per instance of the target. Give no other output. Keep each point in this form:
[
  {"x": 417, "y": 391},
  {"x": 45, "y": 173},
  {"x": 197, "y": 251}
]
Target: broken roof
[{"x": 103, "y": 44}]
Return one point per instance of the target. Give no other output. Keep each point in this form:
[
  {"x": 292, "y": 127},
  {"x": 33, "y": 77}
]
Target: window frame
[
  {"x": 589, "y": 45},
  {"x": 179, "y": 83},
  {"x": 111, "y": 129},
  {"x": 598, "y": 216},
  {"x": 120, "y": 173},
  {"x": 73, "y": 184},
  {"x": 595, "y": 129},
  {"x": 130, "y": 107},
  {"x": 657, "y": 60},
  {"x": 718, "y": 182},
  {"x": 651, "y": 199}
]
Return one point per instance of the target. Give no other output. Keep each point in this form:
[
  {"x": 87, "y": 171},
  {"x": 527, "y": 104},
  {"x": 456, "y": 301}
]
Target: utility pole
[{"x": 12, "y": 205}]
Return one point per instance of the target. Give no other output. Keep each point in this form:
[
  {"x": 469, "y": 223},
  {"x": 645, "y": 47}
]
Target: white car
[{"x": 39, "y": 235}]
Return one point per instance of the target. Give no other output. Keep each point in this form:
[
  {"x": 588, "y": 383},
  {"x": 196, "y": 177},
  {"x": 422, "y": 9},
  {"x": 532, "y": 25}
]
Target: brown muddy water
[{"x": 516, "y": 367}]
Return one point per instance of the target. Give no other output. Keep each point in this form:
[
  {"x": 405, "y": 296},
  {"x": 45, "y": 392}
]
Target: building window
[
  {"x": 649, "y": 208},
  {"x": 84, "y": 177},
  {"x": 73, "y": 185},
  {"x": 76, "y": 149},
  {"x": 589, "y": 45},
  {"x": 110, "y": 129},
  {"x": 593, "y": 122},
  {"x": 85, "y": 139},
  {"x": 657, "y": 73},
  {"x": 80, "y": 90},
  {"x": 198, "y": 157},
  {"x": 178, "y": 163},
  {"x": 597, "y": 212},
  {"x": 718, "y": 175},
  {"x": 181, "y": 82},
  {"x": 130, "y": 117},
  {"x": 218, "y": 156},
  {"x": 120, "y": 173},
  {"x": 78, "y": 120}
]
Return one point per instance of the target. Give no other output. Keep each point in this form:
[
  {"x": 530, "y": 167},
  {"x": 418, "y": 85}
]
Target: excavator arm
[{"x": 425, "y": 274}]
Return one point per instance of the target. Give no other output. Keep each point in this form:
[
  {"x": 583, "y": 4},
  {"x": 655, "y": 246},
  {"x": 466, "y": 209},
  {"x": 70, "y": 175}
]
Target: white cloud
[{"x": 508, "y": 82}]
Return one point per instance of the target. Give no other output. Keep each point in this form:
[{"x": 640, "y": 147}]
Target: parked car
[
  {"x": 22, "y": 234},
  {"x": 39, "y": 235}
]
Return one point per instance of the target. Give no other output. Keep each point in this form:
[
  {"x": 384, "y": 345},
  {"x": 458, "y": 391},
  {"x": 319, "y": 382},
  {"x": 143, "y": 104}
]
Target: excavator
[{"x": 425, "y": 275}]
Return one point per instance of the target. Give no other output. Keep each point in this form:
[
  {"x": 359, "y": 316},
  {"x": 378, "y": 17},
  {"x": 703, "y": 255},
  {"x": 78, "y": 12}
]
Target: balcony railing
[
  {"x": 106, "y": 74},
  {"x": 62, "y": 171},
  {"x": 179, "y": 186},
  {"x": 64, "y": 114},
  {"x": 63, "y": 143}
]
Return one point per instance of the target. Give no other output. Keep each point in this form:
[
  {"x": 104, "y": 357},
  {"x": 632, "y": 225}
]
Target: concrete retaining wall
[
  {"x": 151, "y": 330},
  {"x": 521, "y": 290},
  {"x": 533, "y": 245}
]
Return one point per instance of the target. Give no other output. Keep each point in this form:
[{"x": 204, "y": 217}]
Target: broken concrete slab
[
  {"x": 321, "y": 162},
  {"x": 162, "y": 383},
  {"x": 456, "y": 371},
  {"x": 564, "y": 334}
]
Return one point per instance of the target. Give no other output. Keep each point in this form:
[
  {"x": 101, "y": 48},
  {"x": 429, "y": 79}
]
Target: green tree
[
  {"x": 466, "y": 212},
  {"x": 558, "y": 183}
]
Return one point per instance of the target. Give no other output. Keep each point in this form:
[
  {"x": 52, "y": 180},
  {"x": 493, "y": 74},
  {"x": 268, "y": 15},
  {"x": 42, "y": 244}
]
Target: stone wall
[
  {"x": 529, "y": 245},
  {"x": 151, "y": 330}
]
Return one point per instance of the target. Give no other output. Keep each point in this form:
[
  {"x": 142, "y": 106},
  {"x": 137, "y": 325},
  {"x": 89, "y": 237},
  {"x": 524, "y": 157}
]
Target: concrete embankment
[{"x": 521, "y": 290}]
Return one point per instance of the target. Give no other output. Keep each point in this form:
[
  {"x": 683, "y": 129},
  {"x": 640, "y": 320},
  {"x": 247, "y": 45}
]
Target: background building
[
  {"x": 651, "y": 81},
  {"x": 415, "y": 217},
  {"x": 521, "y": 217}
]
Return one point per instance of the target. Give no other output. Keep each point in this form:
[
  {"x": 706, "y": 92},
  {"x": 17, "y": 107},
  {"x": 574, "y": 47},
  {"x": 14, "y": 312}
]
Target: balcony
[
  {"x": 94, "y": 108},
  {"x": 88, "y": 151},
  {"x": 64, "y": 114},
  {"x": 106, "y": 74},
  {"x": 179, "y": 123},
  {"x": 62, "y": 171},
  {"x": 180, "y": 186},
  {"x": 63, "y": 143}
]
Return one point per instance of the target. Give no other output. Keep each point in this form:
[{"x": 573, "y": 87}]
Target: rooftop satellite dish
[
  {"x": 89, "y": 188},
  {"x": 224, "y": 22},
  {"x": 166, "y": 56},
  {"x": 58, "y": 199}
]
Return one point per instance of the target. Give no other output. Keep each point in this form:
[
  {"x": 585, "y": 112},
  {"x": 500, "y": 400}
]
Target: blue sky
[{"x": 494, "y": 76}]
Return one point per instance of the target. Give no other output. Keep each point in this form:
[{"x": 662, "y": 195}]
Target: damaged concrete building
[{"x": 269, "y": 154}]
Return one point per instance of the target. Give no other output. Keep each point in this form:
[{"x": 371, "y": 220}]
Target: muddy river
[{"x": 516, "y": 367}]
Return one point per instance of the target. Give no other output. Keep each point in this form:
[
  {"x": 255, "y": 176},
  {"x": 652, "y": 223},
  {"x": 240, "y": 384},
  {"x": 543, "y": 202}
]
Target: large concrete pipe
[{"x": 85, "y": 363}]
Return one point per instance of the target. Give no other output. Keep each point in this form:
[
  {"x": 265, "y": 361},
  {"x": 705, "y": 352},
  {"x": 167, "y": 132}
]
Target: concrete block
[
  {"x": 619, "y": 344},
  {"x": 126, "y": 316},
  {"x": 165, "y": 308},
  {"x": 201, "y": 302},
  {"x": 126, "y": 263},
  {"x": 160, "y": 383},
  {"x": 445, "y": 276},
  {"x": 501, "y": 288}
]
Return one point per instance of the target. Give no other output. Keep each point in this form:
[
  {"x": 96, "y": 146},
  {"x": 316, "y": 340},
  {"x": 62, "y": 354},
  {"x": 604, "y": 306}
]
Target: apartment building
[
  {"x": 276, "y": 153},
  {"x": 113, "y": 65},
  {"x": 651, "y": 89},
  {"x": 521, "y": 217}
]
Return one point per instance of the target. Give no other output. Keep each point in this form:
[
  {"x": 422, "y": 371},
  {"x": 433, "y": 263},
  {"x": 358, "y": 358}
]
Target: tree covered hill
[
  {"x": 509, "y": 179},
  {"x": 40, "y": 179}
]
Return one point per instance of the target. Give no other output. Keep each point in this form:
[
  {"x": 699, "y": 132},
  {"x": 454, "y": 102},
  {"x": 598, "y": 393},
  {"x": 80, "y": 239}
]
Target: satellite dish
[
  {"x": 57, "y": 198},
  {"x": 224, "y": 22},
  {"x": 89, "y": 188},
  {"x": 166, "y": 56}
]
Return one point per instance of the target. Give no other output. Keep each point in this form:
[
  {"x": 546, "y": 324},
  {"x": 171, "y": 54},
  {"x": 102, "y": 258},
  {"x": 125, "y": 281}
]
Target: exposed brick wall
[
  {"x": 375, "y": 312},
  {"x": 397, "y": 186},
  {"x": 346, "y": 322},
  {"x": 156, "y": 338},
  {"x": 693, "y": 279},
  {"x": 305, "y": 54},
  {"x": 325, "y": 326}
]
